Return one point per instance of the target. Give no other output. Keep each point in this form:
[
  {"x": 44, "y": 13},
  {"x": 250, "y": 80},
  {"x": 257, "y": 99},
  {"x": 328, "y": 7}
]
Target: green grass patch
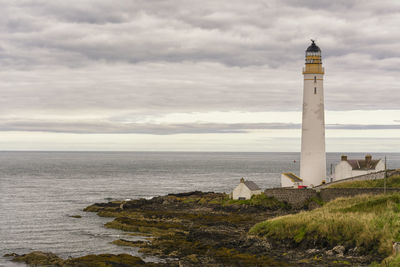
[
  {"x": 391, "y": 261},
  {"x": 391, "y": 182},
  {"x": 260, "y": 200},
  {"x": 368, "y": 222}
]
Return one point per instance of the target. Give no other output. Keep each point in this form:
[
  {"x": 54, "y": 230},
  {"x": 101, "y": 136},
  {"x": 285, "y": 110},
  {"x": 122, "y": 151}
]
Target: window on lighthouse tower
[{"x": 315, "y": 90}]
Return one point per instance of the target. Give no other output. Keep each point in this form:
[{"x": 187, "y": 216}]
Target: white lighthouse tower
[{"x": 313, "y": 158}]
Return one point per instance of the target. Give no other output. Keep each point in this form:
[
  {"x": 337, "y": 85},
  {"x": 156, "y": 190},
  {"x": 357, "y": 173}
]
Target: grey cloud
[
  {"x": 234, "y": 33},
  {"x": 107, "y": 127},
  {"x": 363, "y": 127},
  {"x": 111, "y": 127},
  {"x": 157, "y": 57}
]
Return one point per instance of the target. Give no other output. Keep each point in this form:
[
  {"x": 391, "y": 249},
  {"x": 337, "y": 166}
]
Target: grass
[
  {"x": 369, "y": 222},
  {"x": 260, "y": 200},
  {"x": 391, "y": 182},
  {"x": 392, "y": 261}
]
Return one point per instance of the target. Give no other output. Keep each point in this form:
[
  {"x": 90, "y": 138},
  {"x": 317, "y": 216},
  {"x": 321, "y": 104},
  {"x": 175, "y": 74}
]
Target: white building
[
  {"x": 289, "y": 179},
  {"x": 313, "y": 158},
  {"x": 353, "y": 167},
  {"x": 245, "y": 190}
]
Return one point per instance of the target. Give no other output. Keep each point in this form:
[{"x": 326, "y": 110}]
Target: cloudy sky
[{"x": 195, "y": 75}]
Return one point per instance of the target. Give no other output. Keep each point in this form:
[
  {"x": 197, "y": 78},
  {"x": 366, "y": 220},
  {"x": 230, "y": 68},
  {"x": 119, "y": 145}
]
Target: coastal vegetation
[
  {"x": 207, "y": 228},
  {"x": 367, "y": 224},
  {"x": 210, "y": 229},
  {"x": 391, "y": 182},
  {"x": 196, "y": 227},
  {"x": 260, "y": 200}
]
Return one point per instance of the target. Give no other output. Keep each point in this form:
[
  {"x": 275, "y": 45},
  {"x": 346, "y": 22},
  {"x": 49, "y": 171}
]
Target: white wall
[
  {"x": 313, "y": 158},
  {"x": 244, "y": 192},
  {"x": 380, "y": 166},
  {"x": 344, "y": 170},
  {"x": 287, "y": 182},
  {"x": 241, "y": 191}
]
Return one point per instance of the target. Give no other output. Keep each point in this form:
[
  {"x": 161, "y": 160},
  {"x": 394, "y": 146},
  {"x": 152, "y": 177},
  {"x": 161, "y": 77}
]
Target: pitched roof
[
  {"x": 251, "y": 185},
  {"x": 362, "y": 164},
  {"x": 293, "y": 177}
]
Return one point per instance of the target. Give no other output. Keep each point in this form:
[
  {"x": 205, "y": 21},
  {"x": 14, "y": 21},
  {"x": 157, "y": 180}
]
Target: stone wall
[{"x": 297, "y": 198}]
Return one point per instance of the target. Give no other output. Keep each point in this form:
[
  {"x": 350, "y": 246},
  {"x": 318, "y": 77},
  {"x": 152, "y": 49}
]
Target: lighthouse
[{"x": 313, "y": 158}]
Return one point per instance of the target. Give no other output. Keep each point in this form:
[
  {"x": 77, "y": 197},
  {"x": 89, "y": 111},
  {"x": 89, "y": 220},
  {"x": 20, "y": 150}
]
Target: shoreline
[{"x": 198, "y": 228}]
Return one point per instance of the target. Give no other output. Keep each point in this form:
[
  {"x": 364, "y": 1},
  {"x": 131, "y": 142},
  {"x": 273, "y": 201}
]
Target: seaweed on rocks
[
  {"x": 198, "y": 229},
  {"x": 206, "y": 229},
  {"x": 38, "y": 258}
]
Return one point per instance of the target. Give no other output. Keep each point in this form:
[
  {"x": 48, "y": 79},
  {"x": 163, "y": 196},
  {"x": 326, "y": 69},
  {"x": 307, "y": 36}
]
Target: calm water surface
[{"x": 39, "y": 190}]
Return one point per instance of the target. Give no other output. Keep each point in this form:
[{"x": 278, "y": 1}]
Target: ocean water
[{"x": 39, "y": 190}]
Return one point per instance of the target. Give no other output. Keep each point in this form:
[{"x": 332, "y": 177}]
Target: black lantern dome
[{"x": 313, "y": 47}]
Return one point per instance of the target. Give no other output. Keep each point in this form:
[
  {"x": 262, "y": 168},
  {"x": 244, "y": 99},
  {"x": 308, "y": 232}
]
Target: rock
[
  {"x": 339, "y": 249},
  {"x": 267, "y": 245},
  {"x": 329, "y": 253},
  {"x": 39, "y": 258},
  {"x": 10, "y": 255},
  {"x": 192, "y": 258},
  {"x": 206, "y": 229},
  {"x": 312, "y": 251},
  {"x": 173, "y": 254},
  {"x": 396, "y": 248},
  {"x": 106, "y": 260},
  {"x": 354, "y": 251}
]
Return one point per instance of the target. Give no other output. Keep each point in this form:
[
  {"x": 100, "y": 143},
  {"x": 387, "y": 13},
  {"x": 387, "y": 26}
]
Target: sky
[{"x": 182, "y": 75}]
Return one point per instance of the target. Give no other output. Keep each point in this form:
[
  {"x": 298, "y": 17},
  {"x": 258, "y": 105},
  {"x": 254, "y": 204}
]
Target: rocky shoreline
[{"x": 202, "y": 229}]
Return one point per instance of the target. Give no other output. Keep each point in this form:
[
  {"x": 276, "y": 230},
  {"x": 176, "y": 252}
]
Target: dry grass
[{"x": 368, "y": 222}]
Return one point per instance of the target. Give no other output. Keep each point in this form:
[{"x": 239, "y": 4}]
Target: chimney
[
  {"x": 368, "y": 159},
  {"x": 344, "y": 158},
  {"x": 242, "y": 180}
]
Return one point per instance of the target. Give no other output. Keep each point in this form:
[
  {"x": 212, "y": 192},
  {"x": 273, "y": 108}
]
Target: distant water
[{"x": 38, "y": 190}]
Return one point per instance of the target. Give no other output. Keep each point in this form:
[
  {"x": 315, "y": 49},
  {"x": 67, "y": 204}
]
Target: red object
[{"x": 302, "y": 187}]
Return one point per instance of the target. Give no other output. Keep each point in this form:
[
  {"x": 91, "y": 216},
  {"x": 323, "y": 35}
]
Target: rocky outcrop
[
  {"x": 207, "y": 229},
  {"x": 38, "y": 258},
  {"x": 195, "y": 229}
]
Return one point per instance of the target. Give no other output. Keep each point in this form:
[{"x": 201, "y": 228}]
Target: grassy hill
[
  {"x": 391, "y": 182},
  {"x": 367, "y": 222}
]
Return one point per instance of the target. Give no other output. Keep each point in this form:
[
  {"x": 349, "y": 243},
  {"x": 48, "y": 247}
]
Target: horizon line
[{"x": 191, "y": 151}]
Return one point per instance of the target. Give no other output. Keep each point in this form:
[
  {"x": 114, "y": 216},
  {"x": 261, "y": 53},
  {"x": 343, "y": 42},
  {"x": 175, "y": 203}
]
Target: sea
[{"x": 39, "y": 191}]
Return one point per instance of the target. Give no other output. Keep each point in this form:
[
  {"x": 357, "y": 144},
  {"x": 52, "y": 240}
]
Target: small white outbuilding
[
  {"x": 245, "y": 190},
  {"x": 347, "y": 168},
  {"x": 289, "y": 179}
]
